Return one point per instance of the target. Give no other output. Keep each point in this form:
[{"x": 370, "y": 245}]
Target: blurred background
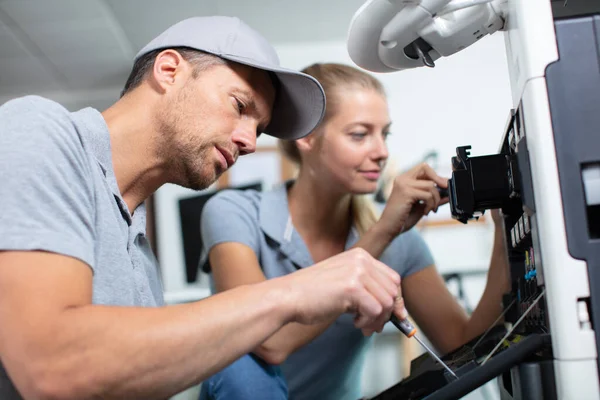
[{"x": 80, "y": 52}]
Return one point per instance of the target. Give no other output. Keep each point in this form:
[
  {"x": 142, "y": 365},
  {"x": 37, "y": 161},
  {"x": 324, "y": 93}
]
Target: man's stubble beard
[{"x": 186, "y": 161}]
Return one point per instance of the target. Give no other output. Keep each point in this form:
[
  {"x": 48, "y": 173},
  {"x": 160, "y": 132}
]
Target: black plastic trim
[{"x": 573, "y": 84}]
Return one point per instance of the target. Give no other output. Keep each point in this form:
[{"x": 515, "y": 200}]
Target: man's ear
[{"x": 168, "y": 66}]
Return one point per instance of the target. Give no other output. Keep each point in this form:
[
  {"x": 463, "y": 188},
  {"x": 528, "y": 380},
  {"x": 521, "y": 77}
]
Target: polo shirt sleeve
[
  {"x": 46, "y": 198},
  {"x": 408, "y": 253},
  {"x": 230, "y": 216}
]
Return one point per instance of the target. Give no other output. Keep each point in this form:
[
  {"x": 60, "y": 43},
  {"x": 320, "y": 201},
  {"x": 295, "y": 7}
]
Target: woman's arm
[
  {"x": 234, "y": 264},
  {"x": 414, "y": 194},
  {"x": 438, "y": 313},
  {"x": 498, "y": 283},
  {"x": 376, "y": 240}
]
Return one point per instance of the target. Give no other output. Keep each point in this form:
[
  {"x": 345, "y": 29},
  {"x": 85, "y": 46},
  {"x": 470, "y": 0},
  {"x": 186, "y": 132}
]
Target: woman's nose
[{"x": 380, "y": 151}]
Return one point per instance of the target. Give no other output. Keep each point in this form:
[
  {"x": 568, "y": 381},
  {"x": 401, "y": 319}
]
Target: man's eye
[
  {"x": 240, "y": 106},
  {"x": 386, "y": 134}
]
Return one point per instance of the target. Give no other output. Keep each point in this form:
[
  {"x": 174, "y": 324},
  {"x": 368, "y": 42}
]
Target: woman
[{"x": 320, "y": 214}]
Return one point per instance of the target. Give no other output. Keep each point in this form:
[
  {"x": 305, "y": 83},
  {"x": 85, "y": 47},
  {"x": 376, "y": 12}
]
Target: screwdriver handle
[{"x": 404, "y": 326}]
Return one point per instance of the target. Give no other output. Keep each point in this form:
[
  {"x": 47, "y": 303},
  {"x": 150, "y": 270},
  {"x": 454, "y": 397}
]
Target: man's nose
[{"x": 244, "y": 138}]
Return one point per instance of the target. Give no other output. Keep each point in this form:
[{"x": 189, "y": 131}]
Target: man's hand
[
  {"x": 414, "y": 194},
  {"x": 350, "y": 282}
]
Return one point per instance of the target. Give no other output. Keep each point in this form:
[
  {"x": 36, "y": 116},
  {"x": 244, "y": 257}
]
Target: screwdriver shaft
[
  {"x": 409, "y": 331},
  {"x": 435, "y": 356}
]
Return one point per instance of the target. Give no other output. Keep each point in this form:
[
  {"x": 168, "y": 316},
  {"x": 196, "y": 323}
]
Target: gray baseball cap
[{"x": 300, "y": 99}]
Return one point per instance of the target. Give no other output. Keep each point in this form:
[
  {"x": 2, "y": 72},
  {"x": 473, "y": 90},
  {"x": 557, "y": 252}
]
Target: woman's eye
[
  {"x": 386, "y": 134},
  {"x": 358, "y": 135}
]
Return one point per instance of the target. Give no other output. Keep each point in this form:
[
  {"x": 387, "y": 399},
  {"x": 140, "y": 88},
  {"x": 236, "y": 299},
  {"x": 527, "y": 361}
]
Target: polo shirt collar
[
  {"x": 98, "y": 142},
  {"x": 275, "y": 221}
]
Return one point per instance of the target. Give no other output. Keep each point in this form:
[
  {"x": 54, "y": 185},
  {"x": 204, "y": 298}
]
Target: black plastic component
[
  {"x": 593, "y": 217},
  {"x": 478, "y": 183},
  {"x": 529, "y": 381},
  {"x": 525, "y": 182},
  {"x": 493, "y": 368},
  {"x": 426, "y": 382},
  {"x": 573, "y": 8},
  {"x": 461, "y": 371},
  {"x": 419, "y": 49},
  {"x": 573, "y": 84},
  {"x": 443, "y": 192}
]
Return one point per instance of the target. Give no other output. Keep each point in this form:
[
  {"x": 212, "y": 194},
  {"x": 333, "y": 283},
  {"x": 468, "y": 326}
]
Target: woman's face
[{"x": 350, "y": 151}]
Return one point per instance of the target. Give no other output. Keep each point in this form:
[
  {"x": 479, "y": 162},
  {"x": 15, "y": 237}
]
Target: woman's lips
[{"x": 371, "y": 175}]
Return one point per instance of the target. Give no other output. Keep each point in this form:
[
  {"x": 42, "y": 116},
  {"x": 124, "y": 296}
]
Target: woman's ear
[{"x": 306, "y": 143}]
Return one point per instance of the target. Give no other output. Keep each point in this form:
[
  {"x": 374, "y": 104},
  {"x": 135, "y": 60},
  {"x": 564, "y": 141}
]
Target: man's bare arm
[{"x": 54, "y": 344}]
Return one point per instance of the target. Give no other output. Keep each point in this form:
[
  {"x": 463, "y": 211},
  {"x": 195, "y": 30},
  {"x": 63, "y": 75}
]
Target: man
[{"x": 79, "y": 288}]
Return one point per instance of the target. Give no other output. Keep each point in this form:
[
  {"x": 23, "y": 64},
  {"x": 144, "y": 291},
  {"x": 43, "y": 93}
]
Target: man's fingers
[
  {"x": 368, "y": 308},
  {"x": 367, "y": 331},
  {"x": 400, "y": 308},
  {"x": 381, "y": 283},
  {"x": 383, "y": 293},
  {"x": 375, "y": 306},
  {"x": 378, "y": 323},
  {"x": 388, "y": 273},
  {"x": 375, "y": 327},
  {"x": 376, "y": 295},
  {"x": 381, "y": 321}
]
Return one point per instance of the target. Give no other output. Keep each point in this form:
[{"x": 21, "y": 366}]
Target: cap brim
[{"x": 299, "y": 103}]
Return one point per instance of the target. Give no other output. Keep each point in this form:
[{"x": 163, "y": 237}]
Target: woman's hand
[
  {"x": 496, "y": 217},
  {"x": 414, "y": 194}
]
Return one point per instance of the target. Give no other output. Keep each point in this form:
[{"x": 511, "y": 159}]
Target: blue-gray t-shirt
[
  {"x": 330, "y": 366},
  {"x": 58, "y": 193}
]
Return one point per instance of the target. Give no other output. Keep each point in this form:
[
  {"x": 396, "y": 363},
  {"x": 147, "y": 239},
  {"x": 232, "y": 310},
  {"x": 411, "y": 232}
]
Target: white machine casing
[
  {"x": 378, "y": 37},
  {"x": 530, "y": 48},
  {"x": 381, "y": 29}
]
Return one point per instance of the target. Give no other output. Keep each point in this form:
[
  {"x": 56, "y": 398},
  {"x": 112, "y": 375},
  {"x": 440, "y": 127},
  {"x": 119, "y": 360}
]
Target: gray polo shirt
[
  {"x": 58, "y": 193},
  {"x": 330, "y": 366}
]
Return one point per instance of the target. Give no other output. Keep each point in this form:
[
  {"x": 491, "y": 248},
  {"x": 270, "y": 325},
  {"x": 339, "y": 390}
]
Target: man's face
[{"x": 209, "y": 121}]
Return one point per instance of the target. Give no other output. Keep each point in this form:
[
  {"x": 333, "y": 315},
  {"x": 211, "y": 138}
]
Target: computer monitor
[{"x": 190, "y": 212}]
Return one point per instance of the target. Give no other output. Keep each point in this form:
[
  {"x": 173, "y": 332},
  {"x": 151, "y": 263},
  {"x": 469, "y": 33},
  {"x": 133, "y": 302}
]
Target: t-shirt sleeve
[
  {"x": 408, "y": 253},
  {"x": 46, "y": 199},
  {"x": 230, "y": 216}
]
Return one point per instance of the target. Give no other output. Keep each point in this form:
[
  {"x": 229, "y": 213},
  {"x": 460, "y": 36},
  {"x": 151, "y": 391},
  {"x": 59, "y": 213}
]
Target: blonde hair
[{"x": 335, "y": 78}]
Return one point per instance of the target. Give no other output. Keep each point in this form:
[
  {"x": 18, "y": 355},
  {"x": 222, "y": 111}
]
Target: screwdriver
[{"x": 410, "y": 331}]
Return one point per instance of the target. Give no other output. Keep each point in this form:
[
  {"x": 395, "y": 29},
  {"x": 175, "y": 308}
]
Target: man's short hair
[{"x": 199, "y": 59}]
